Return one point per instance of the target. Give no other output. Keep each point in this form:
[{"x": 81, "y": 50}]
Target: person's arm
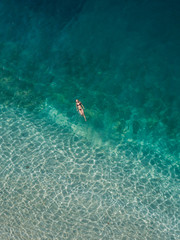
[
  {"x": 77, "y": 107},
  {"x": 82, "y": 106}
]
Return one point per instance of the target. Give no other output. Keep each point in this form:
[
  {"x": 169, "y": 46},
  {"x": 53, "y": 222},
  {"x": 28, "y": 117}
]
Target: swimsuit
[{"x": 79, "y": 107}]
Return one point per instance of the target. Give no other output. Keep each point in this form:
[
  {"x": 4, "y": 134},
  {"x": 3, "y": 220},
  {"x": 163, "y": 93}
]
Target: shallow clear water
[{"x": 115, "y": 176}]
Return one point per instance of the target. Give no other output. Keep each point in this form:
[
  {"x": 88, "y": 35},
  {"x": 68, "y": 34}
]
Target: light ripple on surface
[{"x": 56, "y": 185}]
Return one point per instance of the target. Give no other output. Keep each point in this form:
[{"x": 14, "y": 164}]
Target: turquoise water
[{"x": 115, "y": 176}]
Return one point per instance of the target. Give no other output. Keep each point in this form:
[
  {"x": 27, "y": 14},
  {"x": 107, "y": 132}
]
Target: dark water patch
[{"x": 111, "y": 79}]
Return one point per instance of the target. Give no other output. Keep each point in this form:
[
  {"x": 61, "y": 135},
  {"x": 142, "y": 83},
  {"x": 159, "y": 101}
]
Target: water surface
[{"x": 115, "y": 176}]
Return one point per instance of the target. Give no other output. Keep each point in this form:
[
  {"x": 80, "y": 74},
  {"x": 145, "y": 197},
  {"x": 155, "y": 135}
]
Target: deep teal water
[{"x": 115, "y": 176}]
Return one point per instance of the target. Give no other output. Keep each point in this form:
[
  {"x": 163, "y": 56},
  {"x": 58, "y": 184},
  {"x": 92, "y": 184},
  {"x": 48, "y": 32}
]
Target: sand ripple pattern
[{"x": 56, "y": 185}]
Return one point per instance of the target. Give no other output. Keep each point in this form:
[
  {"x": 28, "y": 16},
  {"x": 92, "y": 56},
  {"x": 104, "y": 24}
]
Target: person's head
[{"x": 77, "y": 100}]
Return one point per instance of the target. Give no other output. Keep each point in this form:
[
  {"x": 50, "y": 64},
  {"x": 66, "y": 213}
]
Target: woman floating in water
[{"x": 80, "y": 108}]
